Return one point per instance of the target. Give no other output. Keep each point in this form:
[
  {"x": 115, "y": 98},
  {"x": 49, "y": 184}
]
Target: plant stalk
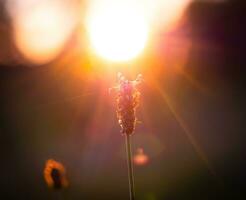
[{"x": 130, "y": 167}]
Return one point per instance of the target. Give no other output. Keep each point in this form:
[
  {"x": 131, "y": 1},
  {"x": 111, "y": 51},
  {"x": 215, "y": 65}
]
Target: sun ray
[
  {"x": 186, "y": 129},
  {"x": 194, "y": 82}
]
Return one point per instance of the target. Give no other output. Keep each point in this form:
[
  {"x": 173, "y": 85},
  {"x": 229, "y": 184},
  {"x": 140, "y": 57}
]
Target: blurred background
[{"x": 189, "y": 142}]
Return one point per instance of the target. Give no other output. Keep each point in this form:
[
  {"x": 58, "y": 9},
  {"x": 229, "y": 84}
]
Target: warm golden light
[
  {"x": 118, "y": 30},
  {"x": 163, "y": 14},
  {"x": 140, "y": 158},
  {"x": 41, "y": 29}
]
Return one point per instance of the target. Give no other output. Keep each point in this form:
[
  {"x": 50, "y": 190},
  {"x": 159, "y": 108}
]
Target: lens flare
[
  {"x": 163, "y": 14},
  {"x": 117, "y": 29},
  {"x": 42, "y": 28},
  {"x": 140, "y": 157}
]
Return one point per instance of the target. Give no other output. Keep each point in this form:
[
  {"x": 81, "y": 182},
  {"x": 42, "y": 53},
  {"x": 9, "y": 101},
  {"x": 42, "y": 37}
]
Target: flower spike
[{"x": 127, "y": 102}]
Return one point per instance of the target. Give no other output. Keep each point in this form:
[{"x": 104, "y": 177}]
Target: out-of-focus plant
[{"x": 55, "y": 177}]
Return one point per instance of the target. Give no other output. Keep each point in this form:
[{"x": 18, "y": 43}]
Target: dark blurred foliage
[{"x": 49, "y": 112}]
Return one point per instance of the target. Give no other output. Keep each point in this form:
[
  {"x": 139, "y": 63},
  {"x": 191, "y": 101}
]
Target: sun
[{"x": 117, "y": 29}]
